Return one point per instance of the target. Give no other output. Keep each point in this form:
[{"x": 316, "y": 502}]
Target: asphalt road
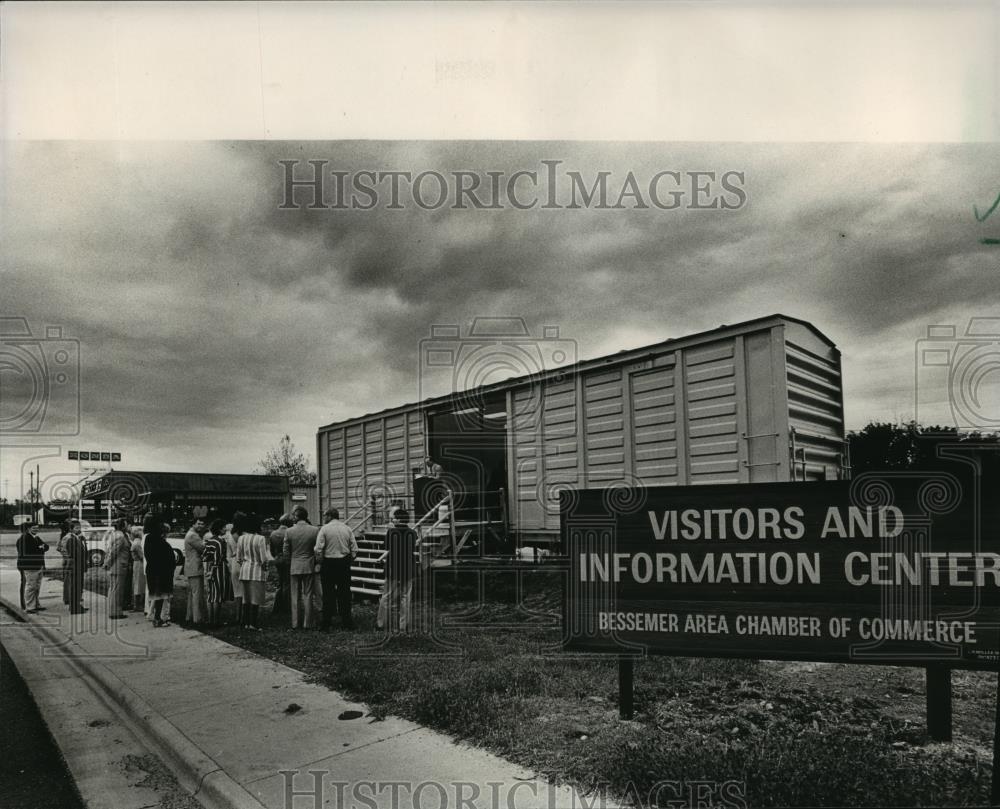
[{"x": 33, "y": 774}]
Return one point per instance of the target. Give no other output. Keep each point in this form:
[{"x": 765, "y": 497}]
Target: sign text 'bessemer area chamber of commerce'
[{"x": 895, "y": 569}]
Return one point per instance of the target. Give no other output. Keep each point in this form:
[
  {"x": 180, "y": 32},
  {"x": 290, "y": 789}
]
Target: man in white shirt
[{"x": 336, "y": 548}]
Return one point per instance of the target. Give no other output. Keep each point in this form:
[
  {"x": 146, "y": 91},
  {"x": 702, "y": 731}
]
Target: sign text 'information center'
[{"x": 900, "y": 568}]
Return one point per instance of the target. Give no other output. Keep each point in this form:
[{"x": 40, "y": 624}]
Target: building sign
[
  {"x": 90, "y": 455},
  {"x": 902, "y": 570}
]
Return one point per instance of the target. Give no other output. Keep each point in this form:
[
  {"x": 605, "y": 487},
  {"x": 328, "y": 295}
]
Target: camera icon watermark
[
  {"x": 493, "y": 349},
  {"x": 39, "y": 380},
  {"x": 958, "y": 376}
]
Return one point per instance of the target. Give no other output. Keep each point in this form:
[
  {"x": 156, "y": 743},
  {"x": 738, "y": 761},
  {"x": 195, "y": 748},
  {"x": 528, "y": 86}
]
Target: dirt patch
[{"x": 151, "y": 773}]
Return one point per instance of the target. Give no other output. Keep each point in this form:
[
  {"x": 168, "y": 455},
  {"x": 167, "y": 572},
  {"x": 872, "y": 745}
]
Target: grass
[{"x": 791, "y": 735}]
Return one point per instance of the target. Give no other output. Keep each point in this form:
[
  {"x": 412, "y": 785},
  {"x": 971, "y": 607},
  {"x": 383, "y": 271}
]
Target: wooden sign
[{"x": 900, "y": 569}]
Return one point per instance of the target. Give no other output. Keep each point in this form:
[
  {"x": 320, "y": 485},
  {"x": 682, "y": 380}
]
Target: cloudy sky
[{"x": 210, "y": 322}]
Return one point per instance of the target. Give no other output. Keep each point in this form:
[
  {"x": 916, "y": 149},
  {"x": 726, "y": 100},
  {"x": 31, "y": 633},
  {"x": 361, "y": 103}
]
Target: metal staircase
[
  {"x": 368, "y": 570},
  {"x": 445, "y": 534}
]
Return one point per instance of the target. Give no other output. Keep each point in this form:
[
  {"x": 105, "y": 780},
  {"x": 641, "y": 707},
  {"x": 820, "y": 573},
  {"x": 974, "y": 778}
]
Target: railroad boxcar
[{"x": 752, "y": 402}]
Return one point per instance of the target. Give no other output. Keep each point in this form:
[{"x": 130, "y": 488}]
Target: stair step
[
  {"x": 367, "y": 581},
  {"x": 366, "y": 591}
]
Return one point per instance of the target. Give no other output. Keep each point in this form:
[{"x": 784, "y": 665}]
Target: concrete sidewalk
[{"x": 221, "y": 718}]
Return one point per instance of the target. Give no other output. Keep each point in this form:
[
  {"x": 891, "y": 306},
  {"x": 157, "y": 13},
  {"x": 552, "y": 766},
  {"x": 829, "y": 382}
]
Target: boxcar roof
[{"x": 625, "y": 355}]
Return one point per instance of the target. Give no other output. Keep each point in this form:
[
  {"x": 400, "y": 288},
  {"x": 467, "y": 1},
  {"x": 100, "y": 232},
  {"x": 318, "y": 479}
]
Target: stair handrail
[
  {"x": 446, "y": 499},
  {"x": 353, "y": 514}
]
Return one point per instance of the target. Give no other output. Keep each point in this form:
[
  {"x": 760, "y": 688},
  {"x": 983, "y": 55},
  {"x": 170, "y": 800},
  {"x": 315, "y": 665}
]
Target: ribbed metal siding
[
  {"x": 604, "y": 409},
  {"x": 374, "y": 457},
  {"x": 355, "y": 467},
  {"x": 561, "y": 442},
  {"x": 396, "y": 471},
  {"x": 374, "y": 461},
  {"x": 415, "y": 444},
  {"x": 654, "y": 427},
  {"x": 710, "y": 404},
  {"x": 815, "y": 411},
  {"x": 529, "y": 492},
  {"x": 334, "y": 485}
]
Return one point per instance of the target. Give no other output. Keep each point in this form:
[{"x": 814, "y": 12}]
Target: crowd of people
[{"x": 229, "y": 563}]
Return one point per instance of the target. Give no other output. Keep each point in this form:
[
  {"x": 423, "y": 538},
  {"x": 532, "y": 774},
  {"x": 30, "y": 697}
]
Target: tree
[
  {"x": 285, "y": 459},
  {"x": 884, "y": 446}
]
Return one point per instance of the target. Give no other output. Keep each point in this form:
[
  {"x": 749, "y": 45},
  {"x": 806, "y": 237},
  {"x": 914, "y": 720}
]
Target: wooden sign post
[{"x": 939, "y": 703}]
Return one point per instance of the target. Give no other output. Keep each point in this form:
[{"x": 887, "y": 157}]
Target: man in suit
[
  {"x": 298, "y": 549},
  {"x": 336, "y": 548},
  {"x": 194, "y": 547},
  {"x": 76, "y": 557}
]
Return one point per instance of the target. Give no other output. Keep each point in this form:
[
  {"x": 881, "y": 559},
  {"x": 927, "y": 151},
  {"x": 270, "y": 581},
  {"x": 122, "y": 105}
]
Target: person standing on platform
[
  {"x": 218, "y": 585},
  {"x": 76, "y": 554},
  {"x": 194, "y": 546},
  {"x": 298, "y": 548},
  {"x": 159, "y": 567},
  {"x": 117, "y": 562},
  {"x": 31, "y": 565},
  {"x": 138, "y": 570},
  {"x": 400, "y": 571},
  {"x": 336, "y": 549},
  {"x": 431, "y": 468},
  {"x": 282, "y": 597}
]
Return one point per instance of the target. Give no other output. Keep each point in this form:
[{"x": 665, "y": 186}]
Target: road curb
[{"x": 196, "y": 771}]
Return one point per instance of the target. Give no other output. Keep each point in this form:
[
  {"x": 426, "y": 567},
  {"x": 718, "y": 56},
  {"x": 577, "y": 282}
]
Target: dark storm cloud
[{"x": 210, "y": 316}]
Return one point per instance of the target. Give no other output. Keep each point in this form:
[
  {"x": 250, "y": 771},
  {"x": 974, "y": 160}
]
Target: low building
[
  {"x": 307, "y": 496},
  {"x": 181, "y": 497}
]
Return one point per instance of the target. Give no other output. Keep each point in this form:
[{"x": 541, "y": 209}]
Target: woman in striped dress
[
  {"x": 218, "y": 585},
  {"x": 253, "y": 556}
]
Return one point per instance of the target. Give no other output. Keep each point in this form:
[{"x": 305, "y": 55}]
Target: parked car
[{"x": 98, "y": 537}]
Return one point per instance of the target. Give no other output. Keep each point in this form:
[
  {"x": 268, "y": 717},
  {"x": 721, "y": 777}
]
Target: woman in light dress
[
  {"x": 138, "y": 570},
  {"x": 253, "y": 555}
]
